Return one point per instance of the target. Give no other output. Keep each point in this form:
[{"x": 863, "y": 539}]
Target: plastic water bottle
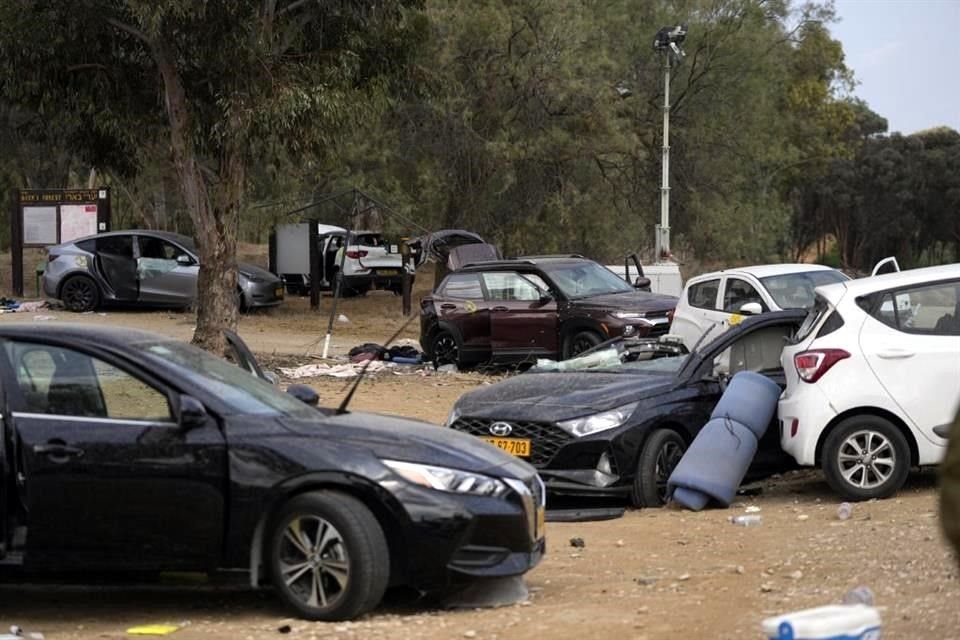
[
  {"x": 859, "y": 595},
  {"x": 844, "y": 511},
  {"x": 747, "y": 520}
]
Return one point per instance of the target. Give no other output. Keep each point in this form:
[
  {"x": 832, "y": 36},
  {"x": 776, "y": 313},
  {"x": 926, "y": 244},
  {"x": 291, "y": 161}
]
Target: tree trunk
[{"x": 214, "y": 218}]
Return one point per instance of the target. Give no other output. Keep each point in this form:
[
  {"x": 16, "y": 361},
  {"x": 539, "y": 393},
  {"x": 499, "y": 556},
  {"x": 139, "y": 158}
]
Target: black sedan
[
  {"x": 619, "y": 429},
  {"x": 127, "y": 451}
]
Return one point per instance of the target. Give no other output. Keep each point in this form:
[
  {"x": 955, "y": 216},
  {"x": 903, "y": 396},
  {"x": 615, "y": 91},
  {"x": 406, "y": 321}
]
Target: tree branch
[
  {"x": 133, "y": 31},
  {"x": 290, "y": 7}
]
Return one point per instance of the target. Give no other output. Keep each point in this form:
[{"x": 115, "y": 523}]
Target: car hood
[
  {"x": 629, "y": 301},
  {"x": 253, "y": 271},
  {"x": 411, "y": 441},
  {"x": 549, "y": 397}
]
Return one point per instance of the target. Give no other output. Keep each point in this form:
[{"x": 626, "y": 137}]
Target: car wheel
[
  {"x": 80, "y": 293},
  {"x": 659, "y": 457},
  {"x": 577, "y": 343},
  {"x": 445, "y": 348},
  {"x": 866, "y": 457},
  {"x": 328, "y": 557}
]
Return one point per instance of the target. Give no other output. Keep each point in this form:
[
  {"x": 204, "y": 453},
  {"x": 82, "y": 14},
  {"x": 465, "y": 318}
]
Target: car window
[
  {"x": 756, "y": 351},
  {"x": 60, "y": 381},
  {"x": 795, "y": 290},
  {"x": 738, "y": 293},
  {"x": 464, "y": 286},
  {"x": 369, "y": 239},
  {"x": 157, "y": 249},
  {"x": 928, "y": 310},
  {"x": 703, "y": 295},
  {"x": 121, "y": 246},
  {"x": 511, "y": 286}
]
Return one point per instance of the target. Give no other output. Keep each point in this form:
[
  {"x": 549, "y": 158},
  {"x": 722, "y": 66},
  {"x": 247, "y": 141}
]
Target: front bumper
[
  {"x": 263, "y": 294},
  {"x": 451, "y": 538}
]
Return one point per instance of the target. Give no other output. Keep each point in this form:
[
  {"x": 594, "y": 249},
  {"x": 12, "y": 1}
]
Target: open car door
[{"x": 240, "y": 354}]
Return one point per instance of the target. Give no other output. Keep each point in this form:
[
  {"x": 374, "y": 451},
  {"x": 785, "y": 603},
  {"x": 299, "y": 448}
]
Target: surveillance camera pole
[{"x": 662, "y": 232}]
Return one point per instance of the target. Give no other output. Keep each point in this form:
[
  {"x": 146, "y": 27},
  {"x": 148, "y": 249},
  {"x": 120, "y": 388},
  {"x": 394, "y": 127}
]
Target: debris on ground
[
  {"x": 577, "y": 542},
  {"x": 348, "y": 370},
  {"x": 152, "y": 630}
]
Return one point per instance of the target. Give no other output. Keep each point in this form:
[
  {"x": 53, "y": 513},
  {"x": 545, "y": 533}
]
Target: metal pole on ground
[{"x": 337, "y": 289}]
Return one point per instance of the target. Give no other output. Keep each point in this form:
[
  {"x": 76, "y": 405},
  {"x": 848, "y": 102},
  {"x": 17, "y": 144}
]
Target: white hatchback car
[
  {"x": 724, "y": 297},
  {"x": 873, "y": 370}
]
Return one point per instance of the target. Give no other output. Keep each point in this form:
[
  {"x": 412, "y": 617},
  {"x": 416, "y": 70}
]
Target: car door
[
  {"x": 697, "y": 311},
  {"x": 118, "y": 266},
  {"x": 523, "y": 320},
  {"x": 168, "y": 272},
  {"x": 755, "y": 347},
  {"x": 460, "y": 302},
  {"x": 912, "y": 345},
  {"x": 106, "y": 476}
]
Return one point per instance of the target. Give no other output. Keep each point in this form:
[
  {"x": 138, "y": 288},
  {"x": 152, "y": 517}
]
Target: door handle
[
  {"x": 57, "y": 450},
  {"x": 448, "y": 306},
  {"x": 500, "y": 309},
  {"x": 892, "y": 354}
]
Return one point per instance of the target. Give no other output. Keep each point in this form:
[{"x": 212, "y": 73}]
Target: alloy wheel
[
  {"x": 866, "y": 459},
  {"x": 314, "y": 563},
  {"x": 445, "y": 349},
  {"x": 79, "y": 294},
  {"x": 667, "y": 459}
]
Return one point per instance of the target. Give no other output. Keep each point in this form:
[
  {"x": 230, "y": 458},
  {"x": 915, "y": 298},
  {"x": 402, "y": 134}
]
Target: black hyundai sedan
[
  {"x": 616, "y": 424},
  {"x": 127, "y": 451}
]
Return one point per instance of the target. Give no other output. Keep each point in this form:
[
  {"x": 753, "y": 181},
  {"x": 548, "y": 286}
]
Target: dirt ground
[{"x": 653, "y": 574}]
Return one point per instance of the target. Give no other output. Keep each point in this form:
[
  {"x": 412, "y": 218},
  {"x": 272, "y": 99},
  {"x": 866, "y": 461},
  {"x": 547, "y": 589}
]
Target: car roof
[
  {"x": 164, "y": 235},
  {"x": 885, "y": 281},
  {"x": 764, "y": 270},
  {"x": 524, "y": 261},
  {"x": 109, "y": 336}
]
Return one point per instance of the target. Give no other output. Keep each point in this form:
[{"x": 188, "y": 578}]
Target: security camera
[{"x": 670, "y": 37}]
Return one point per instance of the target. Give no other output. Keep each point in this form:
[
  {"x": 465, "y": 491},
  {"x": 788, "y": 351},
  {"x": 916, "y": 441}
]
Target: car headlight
[
  {"x": 587, "y": 425},
  {"x": 445, "y": 479},
  {"x": 452, "y": 417},
  {"x": 628, "y": 315}
]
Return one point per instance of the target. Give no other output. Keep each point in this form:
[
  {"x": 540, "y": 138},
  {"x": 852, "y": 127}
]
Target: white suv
[
  {"x": 873, "y": 370},
  {"x": 724, "y": 297}
]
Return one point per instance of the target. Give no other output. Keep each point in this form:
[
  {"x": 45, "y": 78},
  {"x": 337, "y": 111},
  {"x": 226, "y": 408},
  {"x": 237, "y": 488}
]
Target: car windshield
[
  {"x": 237, "y": 388},
  {"x": 795, "y": 290},
  {"x": 584, "y": 279}
]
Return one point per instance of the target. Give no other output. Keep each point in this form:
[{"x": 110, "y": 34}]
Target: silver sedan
[{"x": 143, "y": 268}]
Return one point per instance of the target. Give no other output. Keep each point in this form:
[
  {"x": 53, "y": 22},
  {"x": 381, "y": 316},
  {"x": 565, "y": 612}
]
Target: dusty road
[{"x": 655, "y": 574}]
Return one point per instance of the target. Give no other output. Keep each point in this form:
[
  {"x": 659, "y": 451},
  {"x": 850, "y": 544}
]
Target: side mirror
[
  {"x": 192, "y": 413},
  {"x": 545, "y": 297},
  {"x": 642, "y": 283},
  {"x": 184, "y": 260},
  {"x": 751, "y": 309},
  {"x": 304, "y": 394}
]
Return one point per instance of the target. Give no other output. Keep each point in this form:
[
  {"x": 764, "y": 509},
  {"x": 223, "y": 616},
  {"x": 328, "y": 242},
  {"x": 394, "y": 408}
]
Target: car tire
[
  {"x": 660, "y": 454},
  {"x": 578, "y": 342},
  {"x": 80, "y": 294},
  {"x": 342, "y": 559},
  {"x": 887, "y": 465},
  {"x": 445, "y": 348}
]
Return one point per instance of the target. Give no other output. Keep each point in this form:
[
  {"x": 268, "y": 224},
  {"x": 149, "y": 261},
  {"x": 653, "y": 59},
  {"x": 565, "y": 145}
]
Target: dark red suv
[{"x": 539, "y": 307}]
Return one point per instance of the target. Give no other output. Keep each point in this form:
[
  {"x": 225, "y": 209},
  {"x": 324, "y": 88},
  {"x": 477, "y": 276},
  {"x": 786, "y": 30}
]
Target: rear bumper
[{"x": 803, "y": 416}]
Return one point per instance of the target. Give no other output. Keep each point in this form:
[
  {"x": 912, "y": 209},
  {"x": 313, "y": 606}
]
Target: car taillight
[
  {"x": 356, "y": 254},
  {"x": 811, "y": 365}
]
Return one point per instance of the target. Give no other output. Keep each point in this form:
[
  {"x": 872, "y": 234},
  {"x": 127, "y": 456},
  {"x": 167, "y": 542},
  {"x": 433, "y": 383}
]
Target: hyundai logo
[{"x": 501, "y": 429}]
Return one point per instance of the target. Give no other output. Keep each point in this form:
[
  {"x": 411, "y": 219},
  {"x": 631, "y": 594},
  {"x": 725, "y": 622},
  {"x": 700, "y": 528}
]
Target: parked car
[
  {"x": 725, "y": 297},
  {"x": 534, "y": 307},
  {"x": 620, "y": 429},
  {"x": 370, "y": 263},
  {"x": 127, "y": 451},
  {"x": 868, "y": 383},
  {"x": 142, "y": 268}
]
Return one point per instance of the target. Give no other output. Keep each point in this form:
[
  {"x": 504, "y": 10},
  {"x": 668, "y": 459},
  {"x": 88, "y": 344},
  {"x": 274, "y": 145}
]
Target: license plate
[
  {"x": 279, "y": 292},
  {"x": 516, "y": 446},
  {"x": 388, "y": 272}
]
